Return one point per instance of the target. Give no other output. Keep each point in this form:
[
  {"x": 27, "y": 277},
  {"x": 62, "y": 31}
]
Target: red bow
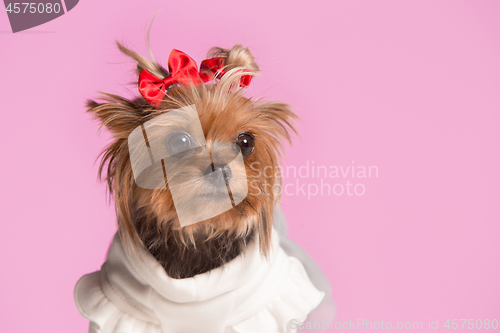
[
  {"x": 214, "y": 67},
  {"x": 183, "y": 70}
]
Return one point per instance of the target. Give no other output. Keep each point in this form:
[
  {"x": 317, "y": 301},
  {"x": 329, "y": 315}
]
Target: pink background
[{"x": 412, "y": 87}]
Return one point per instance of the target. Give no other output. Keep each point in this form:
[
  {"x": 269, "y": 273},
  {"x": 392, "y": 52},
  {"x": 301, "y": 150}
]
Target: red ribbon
[
  {"x": 183, "y": 70},
  {"x": 213, "y": 68}
]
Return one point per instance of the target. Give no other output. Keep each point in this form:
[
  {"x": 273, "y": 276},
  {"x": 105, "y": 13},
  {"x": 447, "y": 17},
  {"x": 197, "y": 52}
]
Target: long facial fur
[{"x": 148, "y": 217}]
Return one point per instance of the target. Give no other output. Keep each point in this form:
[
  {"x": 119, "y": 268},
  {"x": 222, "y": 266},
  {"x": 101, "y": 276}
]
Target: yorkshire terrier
[{"x": 188, "y": 169}]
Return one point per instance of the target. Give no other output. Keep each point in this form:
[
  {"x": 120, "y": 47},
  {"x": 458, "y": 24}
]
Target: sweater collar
[
  {"x": 249, "y": 294},
  {"x": 145, "y": 268}
]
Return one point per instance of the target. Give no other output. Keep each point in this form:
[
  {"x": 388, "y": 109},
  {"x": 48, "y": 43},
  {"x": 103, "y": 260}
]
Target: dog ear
[
  {"x": 278, "y": 120},
  {"x": 118, "y": 114}
]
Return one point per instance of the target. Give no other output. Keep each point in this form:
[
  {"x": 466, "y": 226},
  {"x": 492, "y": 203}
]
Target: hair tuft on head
[
  {"x": 237, "y": 56},
  {"x": 142, "y": 63}
]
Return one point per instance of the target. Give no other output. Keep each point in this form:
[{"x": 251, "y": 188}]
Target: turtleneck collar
[{"x": 251, "y": 293}]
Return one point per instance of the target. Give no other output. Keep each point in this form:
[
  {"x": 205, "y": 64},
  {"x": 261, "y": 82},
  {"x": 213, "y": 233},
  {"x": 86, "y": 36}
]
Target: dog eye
[
  {"x": 247, "y": 144},
  {"x": 179, "y": 142}
]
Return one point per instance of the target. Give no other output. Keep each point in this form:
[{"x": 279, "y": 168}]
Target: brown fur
[{"x": 148, "y": 217}]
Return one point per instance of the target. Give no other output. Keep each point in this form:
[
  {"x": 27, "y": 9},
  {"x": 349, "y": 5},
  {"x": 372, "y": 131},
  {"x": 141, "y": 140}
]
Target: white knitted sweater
[{"x": 247, "y": 295}]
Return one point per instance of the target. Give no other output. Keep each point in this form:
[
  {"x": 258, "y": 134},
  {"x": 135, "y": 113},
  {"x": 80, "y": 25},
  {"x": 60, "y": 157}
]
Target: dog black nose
[{"x": 226, "y": 172}]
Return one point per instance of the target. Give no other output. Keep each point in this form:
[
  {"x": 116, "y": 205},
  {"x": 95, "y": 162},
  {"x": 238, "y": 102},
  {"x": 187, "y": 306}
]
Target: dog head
[{"x": 214, "y": 144}]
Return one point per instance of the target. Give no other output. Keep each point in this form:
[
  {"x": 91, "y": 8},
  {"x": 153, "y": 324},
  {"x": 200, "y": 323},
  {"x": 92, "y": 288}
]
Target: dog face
[{"x": 232, "y": 126}]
